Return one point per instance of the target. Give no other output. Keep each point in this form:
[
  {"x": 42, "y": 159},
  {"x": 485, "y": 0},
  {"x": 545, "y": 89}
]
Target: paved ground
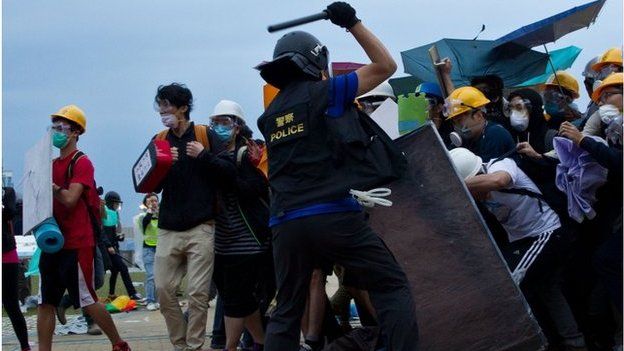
[{"x": 144, "y": 330}]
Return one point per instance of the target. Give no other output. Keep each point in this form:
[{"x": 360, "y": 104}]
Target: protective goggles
[
  {"x": 517, "y": 105},
  {"x": 455, "y": 106},
  {"x": 606, "y": 70},
  {"x": 60, "y": 127},
  {"x": 223, "y": 120},
  {"x": 607, "y": 94},
  {"x": 369, "y": 105},
  {"x": 555, "y": 96}
]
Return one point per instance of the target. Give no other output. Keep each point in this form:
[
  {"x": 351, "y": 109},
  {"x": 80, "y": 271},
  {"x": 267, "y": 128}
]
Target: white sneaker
[{"x": 152, "y": 306}]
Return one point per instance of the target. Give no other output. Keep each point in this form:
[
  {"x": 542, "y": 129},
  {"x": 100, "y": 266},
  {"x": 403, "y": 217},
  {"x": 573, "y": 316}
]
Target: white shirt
[{"x": 520, "y": 215}]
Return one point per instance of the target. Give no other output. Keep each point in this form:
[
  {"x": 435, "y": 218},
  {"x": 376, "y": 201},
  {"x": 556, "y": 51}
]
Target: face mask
[
  {"x": 224, "y": 133},
  {"x": 60, "y": 139},
  {"x": 553, "y": 109},
  {"x": 460, "y": 135},
  {"x": 608, "y": 113},
  {"x": 169, "y": 121},
  {"x": 519, "y": 120}
]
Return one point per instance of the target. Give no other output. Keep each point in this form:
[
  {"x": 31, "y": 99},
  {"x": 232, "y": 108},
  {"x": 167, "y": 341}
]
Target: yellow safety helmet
[
  {"x": 72, "y": 113},
  {"x": 615, "y": 79},
  {"x": 566, "y": 80},
  {"x": 611, "y": 56},
  {"x": 462, "y": 100}
]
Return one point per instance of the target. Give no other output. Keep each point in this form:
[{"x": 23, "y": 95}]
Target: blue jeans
[{"x": 148, "y": 261}]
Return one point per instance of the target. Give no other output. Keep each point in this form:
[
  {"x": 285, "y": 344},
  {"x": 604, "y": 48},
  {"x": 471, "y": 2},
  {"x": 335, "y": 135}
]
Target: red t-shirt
[{"x": 75, "y": 224}]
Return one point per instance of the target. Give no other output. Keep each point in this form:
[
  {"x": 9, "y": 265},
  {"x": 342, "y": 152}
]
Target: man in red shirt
[{"x": 71, "y": 268}]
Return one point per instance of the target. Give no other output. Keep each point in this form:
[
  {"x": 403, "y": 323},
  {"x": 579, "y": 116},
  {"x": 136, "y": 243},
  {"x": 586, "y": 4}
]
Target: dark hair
[
  {"x": 177, "y": 94},
  {"x": 147, "y": 196}
]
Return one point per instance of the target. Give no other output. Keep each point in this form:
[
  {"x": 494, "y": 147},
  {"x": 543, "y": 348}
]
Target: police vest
[
  {"x": 151, "y": 233},
  {"x": 315, "y": 158}
]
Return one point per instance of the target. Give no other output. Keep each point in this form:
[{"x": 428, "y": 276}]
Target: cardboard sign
[
  {"x": 387, "y": 117},
  {"x": 37, "y": 184}
]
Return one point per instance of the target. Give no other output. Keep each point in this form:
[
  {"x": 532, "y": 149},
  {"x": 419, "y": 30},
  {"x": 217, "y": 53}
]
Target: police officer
[{"x": 312, "y": 216}]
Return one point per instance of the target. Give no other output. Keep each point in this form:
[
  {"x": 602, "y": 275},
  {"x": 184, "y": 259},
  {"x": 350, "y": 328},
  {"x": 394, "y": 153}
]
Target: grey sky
[{"x": 109, "y": 57}]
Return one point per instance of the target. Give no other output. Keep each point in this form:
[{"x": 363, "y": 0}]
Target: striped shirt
[{"x": 233, "y": 236}]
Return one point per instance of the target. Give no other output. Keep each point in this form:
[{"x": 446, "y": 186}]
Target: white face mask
[
  {"x": 608, "y": 113},
  {"x": 169, "y": 121},
  {"x": 519, "y": 120}
]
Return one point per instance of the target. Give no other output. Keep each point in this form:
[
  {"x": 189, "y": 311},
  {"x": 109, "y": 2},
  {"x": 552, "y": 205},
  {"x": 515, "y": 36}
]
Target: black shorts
[
  {"x": 238, "y": 280},
  {"x": 71, "y": 270}
]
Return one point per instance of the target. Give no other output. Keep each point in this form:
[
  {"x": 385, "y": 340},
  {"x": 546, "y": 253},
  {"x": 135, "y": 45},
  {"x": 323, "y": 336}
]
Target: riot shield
[{"x": 465, "y": 297}]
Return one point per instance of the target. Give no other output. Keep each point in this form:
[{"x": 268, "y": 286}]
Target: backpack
[{"x": 201, "y": 135}]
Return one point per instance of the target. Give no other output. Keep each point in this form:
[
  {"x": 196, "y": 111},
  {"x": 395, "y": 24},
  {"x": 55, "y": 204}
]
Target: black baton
[{"x": 299, "y": 21}]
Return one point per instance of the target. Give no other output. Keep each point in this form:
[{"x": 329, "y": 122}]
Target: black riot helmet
[
  {"x": 112, "y": 197},
  {"x": 297, "y": 56}
]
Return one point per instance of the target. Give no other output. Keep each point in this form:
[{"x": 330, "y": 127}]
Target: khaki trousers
[{"x": 189, "y": 252}]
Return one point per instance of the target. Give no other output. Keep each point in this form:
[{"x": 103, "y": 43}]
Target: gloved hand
[{"x": 342, "y": 14}]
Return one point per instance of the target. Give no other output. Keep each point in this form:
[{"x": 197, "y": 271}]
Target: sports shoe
[
  {"x": 136, "y": 297},
  {"x": 110, "y": 298},
  {"x": 94, "y": 330},
  {"x": 152, "y": 306},
  {"x": 121, "y": 346},
  {"x": 60, "y": 315}
]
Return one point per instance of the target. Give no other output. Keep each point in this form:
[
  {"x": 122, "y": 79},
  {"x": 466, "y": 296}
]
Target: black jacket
[
  {"x": 188, "y": 191},
  {"x": 9, "y": 209},
  {"x": 252, "y": 191}
]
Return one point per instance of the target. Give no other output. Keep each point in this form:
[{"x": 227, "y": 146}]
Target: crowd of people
[{"x": 268, "y": 237}]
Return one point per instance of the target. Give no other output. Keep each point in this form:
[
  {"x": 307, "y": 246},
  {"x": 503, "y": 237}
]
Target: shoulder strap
[
  {"x": 162, "y": 135},
  {"x": 201, "y": 135},
  {"x": 72, "y": 163},
  {"x": 239, "y": 155}
]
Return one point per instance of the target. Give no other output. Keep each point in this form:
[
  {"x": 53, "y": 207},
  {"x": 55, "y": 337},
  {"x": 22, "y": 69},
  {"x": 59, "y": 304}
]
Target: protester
[
  {"x": 371, "y": 100},
  {"x": 527, "y": 124},
  {"x": 609, "y": 62},
  {"x": 186, "y": 217},
  {"x": 559, "y": 93},
  {"x": 148, "y": 222},
  {"x": 10, "y": 269},
  {"x": 590, "y": 78},
  {"x": 435, "y": 109},
  {"x": 492, "y": 87},
  {"x": 242, "y": 233},
  {"x": 536, "y": 246},
  {"x": 312, "y": 215},
  {"x": 114, "y": 234},
  {"x": 465, "y": 109},
  {"x": 71, "y": 268}
]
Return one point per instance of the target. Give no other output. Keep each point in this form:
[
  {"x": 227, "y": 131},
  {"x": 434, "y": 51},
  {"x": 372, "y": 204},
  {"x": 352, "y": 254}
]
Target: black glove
[{"x": 342, "y": 14}]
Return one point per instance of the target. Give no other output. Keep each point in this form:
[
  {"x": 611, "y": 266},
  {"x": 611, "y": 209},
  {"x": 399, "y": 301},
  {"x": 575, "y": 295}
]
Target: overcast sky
[{"x": 109, "y": 57}]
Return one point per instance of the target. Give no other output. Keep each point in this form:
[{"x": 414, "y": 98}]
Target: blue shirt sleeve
[{"x": 342, "y": 90}]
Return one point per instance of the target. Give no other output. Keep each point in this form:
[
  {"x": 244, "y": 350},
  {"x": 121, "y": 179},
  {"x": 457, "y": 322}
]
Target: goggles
[
  {"x": 456, "y": 106},
  {"x": 223, "y": 120},
  {"x": 368, "y": 105},
  {"x": 607, "y": 94},
  {"x": 60, "y": 127},
  {"x": 555, "y": 96},
  {"x": 606, "y": 70},
  {"x": 517, "y": 105}
]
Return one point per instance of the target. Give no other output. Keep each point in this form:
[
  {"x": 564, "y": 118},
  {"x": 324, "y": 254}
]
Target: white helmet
[
  {"x": 383, "y": 89},
  {"x": 228, "y": 108},
  {"x": 466, "y": 163}
]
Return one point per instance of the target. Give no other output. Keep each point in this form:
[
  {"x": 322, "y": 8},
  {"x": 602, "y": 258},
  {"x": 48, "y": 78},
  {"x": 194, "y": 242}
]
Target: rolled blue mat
[{"x": 49, "y": 237}]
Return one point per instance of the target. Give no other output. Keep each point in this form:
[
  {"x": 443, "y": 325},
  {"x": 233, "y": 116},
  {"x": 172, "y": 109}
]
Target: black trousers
[
  {"x": 346, "y": 239},
  {"x": 119, "y": 267},
  {"x": 10, "y": 302}
]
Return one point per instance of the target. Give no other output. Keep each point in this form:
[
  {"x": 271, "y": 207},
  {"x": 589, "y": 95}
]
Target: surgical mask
[
  {"x": 608, "y": 113},
  {"x": 59, "y": 139},
  {"x": 519, "y": 120},
  {"x": 169, "y": 120},
  {"x": 224, "y": 133}
]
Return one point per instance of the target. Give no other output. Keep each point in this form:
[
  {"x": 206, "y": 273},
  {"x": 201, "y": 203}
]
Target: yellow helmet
[
  {"x": 462, "y": 100},
  {"x": 613, "y": 79},
  {"x": 72, "y": 113},
  {"x": 567, "y": 81},
  {"x": 611, "y": 56}
]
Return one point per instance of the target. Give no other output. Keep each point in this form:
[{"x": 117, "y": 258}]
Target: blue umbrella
[
  {"x": 562, "y": 59},
  {"x": 552, "y": 28},
  {"x": 471, "y": 58}
]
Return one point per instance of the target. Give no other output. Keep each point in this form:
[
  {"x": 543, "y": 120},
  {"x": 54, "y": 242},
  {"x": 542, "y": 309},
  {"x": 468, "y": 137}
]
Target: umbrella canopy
[
  {"x": 471, "y": 58},
  {"x": 562, "y": 59},
  {"x": 552, "y": 28},
  {"x": 404, "y": 85}
]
